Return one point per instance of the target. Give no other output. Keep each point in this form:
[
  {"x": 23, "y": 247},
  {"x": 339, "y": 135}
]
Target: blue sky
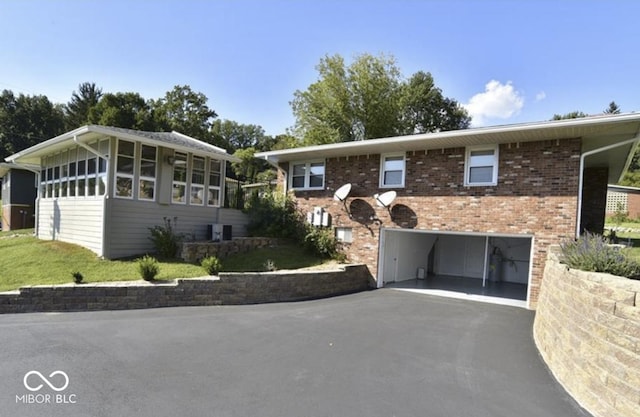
[{"x": 506, "y": 61}]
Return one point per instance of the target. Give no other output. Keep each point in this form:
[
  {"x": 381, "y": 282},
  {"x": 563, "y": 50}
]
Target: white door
[{"x": 390, "y": 257}]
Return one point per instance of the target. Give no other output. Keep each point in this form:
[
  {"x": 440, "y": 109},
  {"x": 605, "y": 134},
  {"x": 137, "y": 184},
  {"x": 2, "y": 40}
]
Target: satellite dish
[
  {"x": 385, "y": 199},
  {"x": 342, "y": 193}
]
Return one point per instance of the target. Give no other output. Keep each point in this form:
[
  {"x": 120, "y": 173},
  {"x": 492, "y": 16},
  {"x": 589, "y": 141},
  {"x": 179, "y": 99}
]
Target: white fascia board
[{"x": 481, "y": 135}]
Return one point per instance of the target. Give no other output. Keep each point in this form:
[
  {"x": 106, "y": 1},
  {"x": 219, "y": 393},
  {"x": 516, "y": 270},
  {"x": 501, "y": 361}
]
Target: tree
[
  {"x": 612, "y": 109},
  {"x": 249, "y": 167},
  {"x": 26, "y": 121},
  {"x": 185, "y": 111},
  {"x": 369, "y": 99},
  {"x": 231, "y": 136},
  {"x": 425, "y": 109},
  {"x": 573, "y": 115},
  {"x": 78, "y": 108},
  {"x": 127, "y": 110}
]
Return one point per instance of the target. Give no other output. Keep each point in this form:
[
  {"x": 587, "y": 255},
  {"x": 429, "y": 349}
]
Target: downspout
[{"x": 581, "y": 174}]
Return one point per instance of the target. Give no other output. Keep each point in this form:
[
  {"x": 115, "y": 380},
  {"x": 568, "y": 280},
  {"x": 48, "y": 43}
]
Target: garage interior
[{"x": 488, "y": 265}]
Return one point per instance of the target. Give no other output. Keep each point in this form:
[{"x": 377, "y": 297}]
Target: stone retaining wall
[
  {"x": 228, "y": 288},
  {"x": 587, "y": 329},
  {"x": 195, "y": 251}
]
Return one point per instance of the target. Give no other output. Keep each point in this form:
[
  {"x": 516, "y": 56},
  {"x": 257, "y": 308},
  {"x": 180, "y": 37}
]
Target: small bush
[
  {"x": 77, "y": 277},
  {"x": 321, "y": 241},
  {"x": 148, "y": 267},
  {"x": 270, "y": 266},
  {"x": 165, "y": 239},
  {"x": 592, "y": 253},
  {"x": 211, "y": 264}
]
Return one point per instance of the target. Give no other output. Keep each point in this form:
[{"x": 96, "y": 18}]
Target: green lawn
[{"x": 25, "y": 260}]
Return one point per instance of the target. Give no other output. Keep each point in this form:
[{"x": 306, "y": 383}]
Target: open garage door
[{"x": 472, "y": 264}]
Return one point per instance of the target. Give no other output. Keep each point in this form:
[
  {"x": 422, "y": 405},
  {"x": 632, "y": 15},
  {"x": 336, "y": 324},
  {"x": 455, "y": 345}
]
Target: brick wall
[
  {"x": 536, "y": 194},
  {"x": 587, "y": 329},
  {"x": 633, "y": 205},
  {"x": 229, "y": 288}
]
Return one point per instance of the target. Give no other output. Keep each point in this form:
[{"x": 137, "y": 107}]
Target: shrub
[
  {"x": 591, "y": 252},
  {"x": 148, "y": 267},
  {"x": 274, "y": 215},
  {"x": 270, "y": 266},
  {"x": 211, "y": 264},
  {"x": 321, "y": 241},
  {"x": 77, "y": 277},
  {"x": 165, "y": 240}
]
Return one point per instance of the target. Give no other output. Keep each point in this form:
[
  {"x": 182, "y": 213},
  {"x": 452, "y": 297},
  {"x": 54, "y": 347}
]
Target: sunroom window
[
  {"x": 179, "y": 192},
  {"x": 213, "y": 194},
  {"x": 147, "y": 180},
  {"x": 481, "y": 166},
  {"x": 197, "y": 181},
  {"x": 124, "y": 169}
]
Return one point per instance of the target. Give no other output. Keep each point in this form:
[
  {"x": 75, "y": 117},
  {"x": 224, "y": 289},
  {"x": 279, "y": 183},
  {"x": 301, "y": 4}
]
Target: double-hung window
[
  {"x": 197, "y": 181},
  {"x": 213, "y": 194},
  {"x": 148, "y": 164},
  {"x": 481, "y": 167},
  {"x": 179, "y": 193},
  {"x": 124, "y": 170},
  {"x": 307, "y": 175},
  {"x": 392, "y": 170}
]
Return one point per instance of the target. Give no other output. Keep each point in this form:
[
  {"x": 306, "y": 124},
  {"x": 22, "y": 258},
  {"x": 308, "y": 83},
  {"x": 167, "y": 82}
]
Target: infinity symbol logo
[{"x": 46, "y": 381}]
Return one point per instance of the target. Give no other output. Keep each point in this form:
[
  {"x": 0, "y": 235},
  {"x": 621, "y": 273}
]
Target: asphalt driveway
[{"x": 381, "y": 353}]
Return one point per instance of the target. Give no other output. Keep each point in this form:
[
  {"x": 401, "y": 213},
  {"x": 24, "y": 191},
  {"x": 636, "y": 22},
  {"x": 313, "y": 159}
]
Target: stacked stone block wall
[
  {"x": 228, "y": 288},
  {"x": 196, "y": 251},
  {"x": 587, "y": 329},
  {"x": 536, "y": 195}
]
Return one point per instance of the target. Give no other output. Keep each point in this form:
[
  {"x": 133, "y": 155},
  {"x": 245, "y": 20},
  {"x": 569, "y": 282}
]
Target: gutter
[{"x": 581, "y": 173}]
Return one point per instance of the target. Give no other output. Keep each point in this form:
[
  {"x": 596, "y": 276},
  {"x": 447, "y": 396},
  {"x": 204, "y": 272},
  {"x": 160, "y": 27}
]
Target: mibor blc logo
[{"x": 57, "y": 381}]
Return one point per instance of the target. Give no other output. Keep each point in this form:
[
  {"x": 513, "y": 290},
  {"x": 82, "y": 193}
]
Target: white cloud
[
  {"x": 498, "y": 100},
  {"x": 541, "y": 96}
]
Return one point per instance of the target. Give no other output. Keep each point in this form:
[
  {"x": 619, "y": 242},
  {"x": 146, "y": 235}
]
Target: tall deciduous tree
[
  {"x": 369, "y": 99},
  {"x": 232, "y": 135},
  {"x": 26, "y": 121},
  {"x": 425, "y": 109},
  {"x": 128, "y": 110},
  {"x": 185, "y": 111},
  {"x": 79, "y": 107}
]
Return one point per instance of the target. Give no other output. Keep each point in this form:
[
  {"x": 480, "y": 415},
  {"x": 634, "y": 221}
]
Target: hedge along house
[
  {"x": 104, "y": 187},
  {"x": 469, "y": 211},
  {"x": 18, "y": 197}
]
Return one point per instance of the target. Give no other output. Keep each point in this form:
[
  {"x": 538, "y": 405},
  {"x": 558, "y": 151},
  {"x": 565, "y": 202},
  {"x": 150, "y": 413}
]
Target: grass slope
[{"x": 26, "y": 260}]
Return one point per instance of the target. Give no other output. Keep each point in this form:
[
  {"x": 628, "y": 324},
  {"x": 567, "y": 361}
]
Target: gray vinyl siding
[
  {"x": 73, "y": 221},
  {"x": 237, "y": 219},
  {"x": 129, "y": 221}
]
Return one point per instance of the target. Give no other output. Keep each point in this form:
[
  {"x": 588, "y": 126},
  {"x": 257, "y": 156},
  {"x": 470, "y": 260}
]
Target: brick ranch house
[{"x": 474, "y": 210}]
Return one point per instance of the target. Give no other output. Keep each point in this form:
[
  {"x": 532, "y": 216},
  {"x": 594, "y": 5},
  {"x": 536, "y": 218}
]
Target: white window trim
[
  {"x": 467, "y": 166},
  {"x": 144, "y": 177},
  {"x": 210, "y": 187},
  {"x": 117, "y": 174},
  {"x": 383, "y": 158},
  {"x": 197, "y": 185},
  {"x": 307, "y": 165},
  {"x": 184, "y": 183}
]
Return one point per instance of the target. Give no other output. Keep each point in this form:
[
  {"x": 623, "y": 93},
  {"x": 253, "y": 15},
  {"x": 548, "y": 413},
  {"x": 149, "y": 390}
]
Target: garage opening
[{"x": 486, "y": 266}]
